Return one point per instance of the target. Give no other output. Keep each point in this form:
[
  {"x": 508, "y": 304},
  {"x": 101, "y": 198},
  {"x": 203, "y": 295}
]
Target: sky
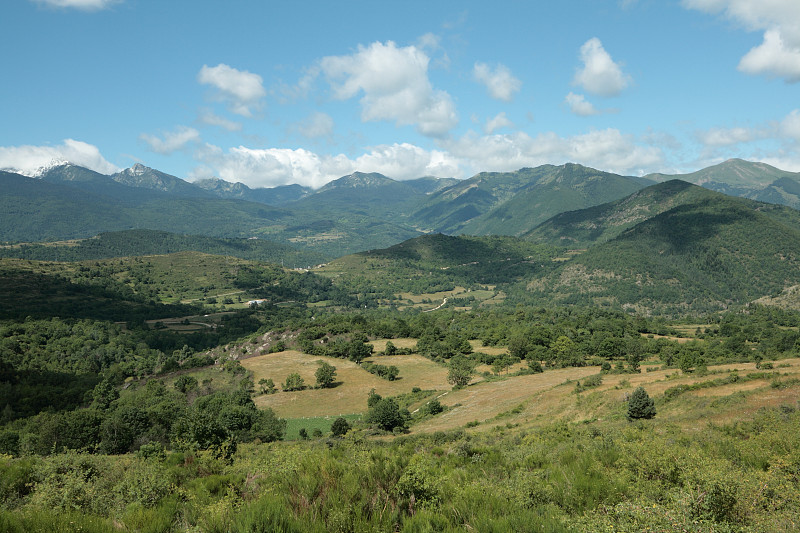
[{"x": 280, "y": 92}]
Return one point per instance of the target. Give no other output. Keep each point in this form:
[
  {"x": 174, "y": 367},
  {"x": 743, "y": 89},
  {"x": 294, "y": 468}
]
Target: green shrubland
[{"x": 560, "y": 477}]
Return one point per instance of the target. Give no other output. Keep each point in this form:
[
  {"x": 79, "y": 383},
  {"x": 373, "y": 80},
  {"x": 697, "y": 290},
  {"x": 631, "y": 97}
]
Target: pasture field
[
  {"x": 526, "y": 400},
  {"x": 353, "y": 384}
]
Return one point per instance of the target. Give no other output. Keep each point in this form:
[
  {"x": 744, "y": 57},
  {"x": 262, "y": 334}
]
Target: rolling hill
[
  {"x": 153, "y": 242},
  {"x": 704, "y": 255},
  {"x": 747, "y": 179},
  {"x": 585, "y": 227}
]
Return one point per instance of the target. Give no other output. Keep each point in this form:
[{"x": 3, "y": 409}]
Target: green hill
[
  {"x": 153, "y": 242},
  {"x": 437, "y": 262},
  {"x": 585, "y": 227},
  {"x": 561, "y": 189},
  {"x": 733, "y": 173},
  {"x": 701, "y": 256}
]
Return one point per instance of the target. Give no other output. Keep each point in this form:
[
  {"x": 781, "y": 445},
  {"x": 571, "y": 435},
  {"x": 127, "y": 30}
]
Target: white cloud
[
  {"x": 607, "y": 150},
  {"x": 172, "y": 141},
  {"x": 243, "y": 90},
  {"x": 790, "y": 126},
  {"x": 498, "y": 122},
  {"x": 719, "y": 137},
  {"x": 773, "y": 58},
  {"x": 500, "y": 82},
  {"x": 279, "y": 166},
  {"x": 580, "y": 106},
  {"x": 28, "y": 159},
  {"x": 395, "y": 86},
  {"x": 600, "y": 74},
  {"x": 407, "y": 161},
  {"x": 779, "y": 53},
  {"x": 84, "y": 5},
  {"x": 209, "y": 118},
  {"x": 315, "y": 126}
]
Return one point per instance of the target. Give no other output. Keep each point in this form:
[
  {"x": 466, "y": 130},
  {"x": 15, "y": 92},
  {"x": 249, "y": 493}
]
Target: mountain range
[{"x": 357, "y": 212}]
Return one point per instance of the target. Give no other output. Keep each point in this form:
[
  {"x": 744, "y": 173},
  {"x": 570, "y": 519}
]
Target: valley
[{"x": 477, "y": 375}]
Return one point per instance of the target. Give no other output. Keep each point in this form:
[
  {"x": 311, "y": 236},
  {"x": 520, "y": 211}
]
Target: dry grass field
[
  {"x": 527, "y": 400},
  {"x": 350, "y": 394}
]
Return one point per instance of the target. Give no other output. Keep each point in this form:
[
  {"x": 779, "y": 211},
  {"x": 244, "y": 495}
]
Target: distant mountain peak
[
  {"x": 358, "y": 180},
  {"x": 137, "y": 169},
  {"x": 38, "y": 171}
]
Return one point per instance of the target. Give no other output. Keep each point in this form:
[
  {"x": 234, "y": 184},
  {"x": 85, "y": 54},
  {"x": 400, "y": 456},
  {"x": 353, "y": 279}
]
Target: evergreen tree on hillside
[{"x": 640, "y": 405}]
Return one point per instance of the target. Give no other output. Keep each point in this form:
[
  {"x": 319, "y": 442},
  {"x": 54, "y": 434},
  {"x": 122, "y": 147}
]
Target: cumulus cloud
[
  {"x": 790, "y": 126},
  {"x": 210, "y": 118},
  {"x": 395, "y": 87},
  {"x": 599, "y": 73},
  {"x": 580, "y": 106},
  {"x": 603, "y": 149},
  {"x": 172, "y": 141},
  {"x": 773, "y": 58},
  {"x": 719, "y": 137},
  {"x": 407, "y": 161},
  {"x": 316, "y": 126},
  {"x": 83, "y": 5},
  {"x": 498, "y": 122},
  {"x": 500, "y": 82},
  {"x": 779, "y": 53},
  {"x": 27, "y": 159},
  {"x": 242, "y": 90},
  {"x": 279, "y": 166}
]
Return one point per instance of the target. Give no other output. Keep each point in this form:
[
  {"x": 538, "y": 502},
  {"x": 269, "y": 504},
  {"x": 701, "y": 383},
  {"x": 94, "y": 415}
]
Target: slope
[
  {"x": 510, "y": 203},
  {"x": 701, "y": 256},
  {"x": 731, "y": 174},
  {"x": 436, "y": 262},
  {"x": 565, "y": 188},
  {"x": 153, "y": 242},
  {"x": 585, "y": 227}
]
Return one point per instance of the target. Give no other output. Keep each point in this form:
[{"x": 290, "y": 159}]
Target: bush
[
  {"x": 294, "y": 382},
  {"x": 340, "y": 427}
]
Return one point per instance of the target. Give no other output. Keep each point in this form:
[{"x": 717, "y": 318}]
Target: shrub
[
  {"x": 294, "y": 382},
  {"x": 340, "y": 427}
]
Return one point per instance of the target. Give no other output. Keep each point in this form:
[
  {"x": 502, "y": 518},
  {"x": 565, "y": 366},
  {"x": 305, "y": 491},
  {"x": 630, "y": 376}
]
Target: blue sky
[{"x": 270, "y": 93}]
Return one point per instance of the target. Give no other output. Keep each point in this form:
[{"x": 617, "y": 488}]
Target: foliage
[
  {"x": 563, "y": 477},
  {"x": 385, "y": 414},
  {"x": 389, "y": 372},
  {"x": 325, "y": 375},
  {"x": 339, "y": 427},
  {"x": 640, "y": 405},
  {"x": 294, "y": 382},
  {"x": 460, "y": 372}
]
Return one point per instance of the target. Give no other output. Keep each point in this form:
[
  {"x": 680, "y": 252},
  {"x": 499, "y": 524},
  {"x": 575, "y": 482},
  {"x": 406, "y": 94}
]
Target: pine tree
[{"x": 640, "y": 405}]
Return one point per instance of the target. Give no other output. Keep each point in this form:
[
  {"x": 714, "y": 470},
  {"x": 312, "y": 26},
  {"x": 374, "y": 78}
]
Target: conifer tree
[{"x": 640, "y": 405}]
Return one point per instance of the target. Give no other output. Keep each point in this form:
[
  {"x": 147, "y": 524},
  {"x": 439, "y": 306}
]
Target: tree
[
  {"x": 373, "y": 398},
  {"x": 185, "y": 384},
  {"x": 640, "y": 405},
  {"x": 390, "y": 349},
  {"x": 386, "y": 415},
  {"x": 340, "y": 427},
  {"x": 460, "y": 372},
  {"x": 266, "y": 385},
  {"x": 104, "y": 393},
  {"x": 325, "y": 374},
  {"x": 294, "y": 382}
]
